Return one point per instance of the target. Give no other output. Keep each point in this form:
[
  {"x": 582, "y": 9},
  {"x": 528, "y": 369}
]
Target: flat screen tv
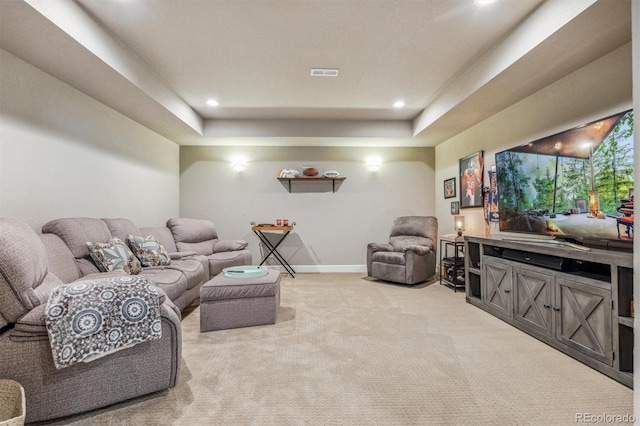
[{"x": 576, "y": 185}]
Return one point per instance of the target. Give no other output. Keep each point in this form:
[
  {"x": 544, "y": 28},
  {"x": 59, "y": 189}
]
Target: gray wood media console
[{"x": 576, "y": 301}]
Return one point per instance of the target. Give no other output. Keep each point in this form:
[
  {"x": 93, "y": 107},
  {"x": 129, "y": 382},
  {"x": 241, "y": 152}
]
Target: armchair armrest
[
  {"x": 420, "y": 250},
  {"x": 371, "y": 249},
  {"x": 374, "y": 247},
  {"x": 229, "y": 245}
]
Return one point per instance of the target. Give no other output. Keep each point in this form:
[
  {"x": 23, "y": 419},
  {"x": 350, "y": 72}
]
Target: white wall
[
  {"x": 601, "y": 88},
  {"x": 63, "y": 154},
  {"x": 332, "y": 229}
]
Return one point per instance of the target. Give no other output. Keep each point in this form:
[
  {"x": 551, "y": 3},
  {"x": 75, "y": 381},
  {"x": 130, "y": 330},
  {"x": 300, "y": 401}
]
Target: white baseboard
[{"x": 315, "y": 269}]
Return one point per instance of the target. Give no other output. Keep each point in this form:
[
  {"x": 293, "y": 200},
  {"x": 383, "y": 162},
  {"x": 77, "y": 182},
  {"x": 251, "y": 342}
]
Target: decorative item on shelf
[
  {"x": 458, "y": 224},
  {"x": 284, "y": 173},
  {"x": 309, "y": 171},
  {"x": 288, "y": 173},
  {"x": 278, "y": 222},
  {"x": 331, "y": 174}
]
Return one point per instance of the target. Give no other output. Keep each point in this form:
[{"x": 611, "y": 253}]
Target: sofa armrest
[
  {"x": 31, "y": 326},
  {"x": 229, "y": 245},
  {"x": 420, "y": 250},
  {"x": 181, "y": 254}
]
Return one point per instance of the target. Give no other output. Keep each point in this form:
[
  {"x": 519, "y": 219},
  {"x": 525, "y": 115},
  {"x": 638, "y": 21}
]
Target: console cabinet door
[
  {"x": 496, "y": 280},
  {"x": 583, "y": 318},
  {"x": 532, "y": 300}
]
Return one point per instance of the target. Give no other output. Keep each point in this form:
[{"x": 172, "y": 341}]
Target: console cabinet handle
[
  {"x": 555, "y": 308},
  {"x": 506, "y": 290},
  {"x": 546, "y": 306}
]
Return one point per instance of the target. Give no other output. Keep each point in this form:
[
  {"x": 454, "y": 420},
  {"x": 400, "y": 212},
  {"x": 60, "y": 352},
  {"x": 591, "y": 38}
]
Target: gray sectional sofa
[
  {"x": 32, "y": 265},
  {"x": 193, "y": 245}
]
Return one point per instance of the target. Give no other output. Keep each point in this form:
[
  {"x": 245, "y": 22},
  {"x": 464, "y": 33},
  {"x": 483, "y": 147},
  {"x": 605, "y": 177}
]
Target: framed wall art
[
  {"x": 471, "y": 180},
  {"x": 455, "y": 207},
  {"x": 450, "y": 188}
]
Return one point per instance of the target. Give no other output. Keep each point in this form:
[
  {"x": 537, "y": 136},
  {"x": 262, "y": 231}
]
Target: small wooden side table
[{"x": 260, "y": 231}]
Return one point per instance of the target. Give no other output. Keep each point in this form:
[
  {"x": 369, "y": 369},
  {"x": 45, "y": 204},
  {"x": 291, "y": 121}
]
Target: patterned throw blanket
[{"x": 87, "y": 320}]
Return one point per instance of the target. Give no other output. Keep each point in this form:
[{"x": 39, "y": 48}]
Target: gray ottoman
[{"x": 239, "y": 302}]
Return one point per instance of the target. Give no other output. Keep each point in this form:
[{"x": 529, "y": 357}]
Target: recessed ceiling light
[
  {"x": 399, "y": 104},
  {"x": 212, "y": 102}
]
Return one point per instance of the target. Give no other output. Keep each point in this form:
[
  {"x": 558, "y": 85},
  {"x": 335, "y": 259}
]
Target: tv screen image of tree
[{"x": 577, "y": 184}]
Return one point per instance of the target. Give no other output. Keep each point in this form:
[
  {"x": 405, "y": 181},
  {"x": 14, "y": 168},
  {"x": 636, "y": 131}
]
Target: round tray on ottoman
[{"x": 247, "y": 271}]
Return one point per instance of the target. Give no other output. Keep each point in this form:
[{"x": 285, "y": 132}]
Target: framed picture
[
  {"x": 581, "y": 205},
  {"x": 450, "y": 188},
  {"x": 471, "y": 180},
  {"x": 455, "y": 207}
]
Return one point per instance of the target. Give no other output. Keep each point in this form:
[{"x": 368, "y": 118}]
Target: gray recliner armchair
[{"x": 410, "y": 255}]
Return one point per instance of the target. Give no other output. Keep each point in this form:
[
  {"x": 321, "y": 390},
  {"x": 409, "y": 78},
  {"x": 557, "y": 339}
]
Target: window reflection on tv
[{"x": 576, "y": 185}]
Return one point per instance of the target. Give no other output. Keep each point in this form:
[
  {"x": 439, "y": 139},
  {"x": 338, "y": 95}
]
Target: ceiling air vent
[{"x": 324, "y": 72}]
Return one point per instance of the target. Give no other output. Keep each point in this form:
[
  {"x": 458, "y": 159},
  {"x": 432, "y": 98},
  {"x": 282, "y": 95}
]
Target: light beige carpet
[{"x": 351, "y": 351}]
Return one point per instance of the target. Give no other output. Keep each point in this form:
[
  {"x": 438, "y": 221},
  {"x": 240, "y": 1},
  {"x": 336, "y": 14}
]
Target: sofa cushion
[
  {"x": 23, "y": 267},
  {"x": 86, "y": 266},
  {"x": 171, "y": 281},
  {"x": 192, "y": 269},
  {"x": 76, "y": 232},
  {"x": 148, "y": 250},
  {"x": 120, "y": 228},
  {"x": 186, "y": 230},
  {"x": 414, "y": 230},
  {"x": 204, "y": 248},
  {"x": 197, "y": 235},
  {"x": 61, "y": 260},
  {"x": 113, "y": 256},
  {"x": 43, "y": 291}
]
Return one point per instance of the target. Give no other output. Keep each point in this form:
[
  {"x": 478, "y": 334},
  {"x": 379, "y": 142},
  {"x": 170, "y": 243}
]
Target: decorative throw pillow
[
  {"x": 149, "y": 250},
  {"x": 114, "y": 256}
]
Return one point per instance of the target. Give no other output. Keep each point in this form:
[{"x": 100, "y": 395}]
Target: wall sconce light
[
  {"x": 238, "y": 164},
  {"x": 374, "y": 164},
  {"x": 458, "y": 224}
]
